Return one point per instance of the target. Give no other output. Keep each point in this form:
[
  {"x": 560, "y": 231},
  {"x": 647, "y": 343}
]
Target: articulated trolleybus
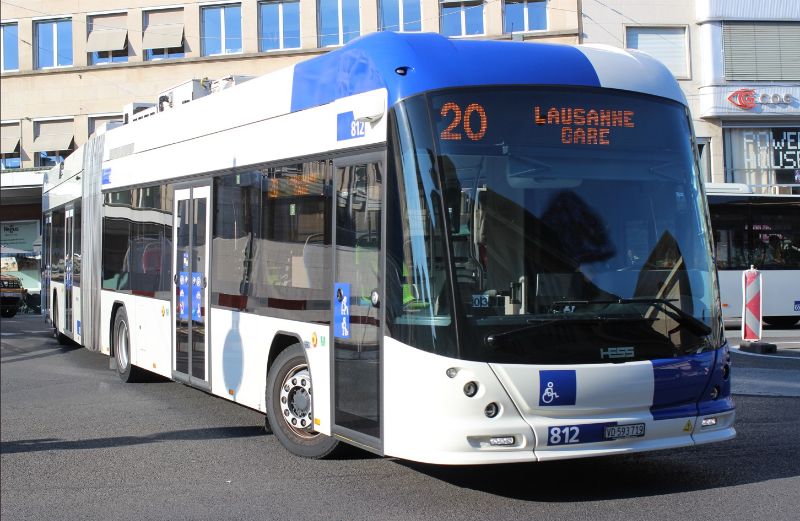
[
  {"x": 455, "y": 252},
  {"x": 760, "y": 230}
]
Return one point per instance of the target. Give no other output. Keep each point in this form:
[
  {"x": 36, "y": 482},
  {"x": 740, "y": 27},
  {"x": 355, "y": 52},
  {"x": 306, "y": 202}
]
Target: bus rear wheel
[
  {"x": 60, "y": 338},
  {"x": 122, "y": 347},
  {"x": 288, "y": 404}
]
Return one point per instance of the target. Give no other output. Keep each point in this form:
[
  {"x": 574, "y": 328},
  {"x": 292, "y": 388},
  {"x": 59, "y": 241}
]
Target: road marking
[{"x": 736, "y": 348}]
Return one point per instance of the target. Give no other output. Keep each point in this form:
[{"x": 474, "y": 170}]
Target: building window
[
  {"x": 120, "y": 56},
  {"x": 53, "y": 141},
  {"x": 524, "y": 15},
  {"x": 107, "y": 41},
  {"x": 10, "y": 161},
  {"x": 98, "y": 122},
  {"x": 222, "y": 29},
  {"x": 704, "y": 159},
  {"x": 279, "y": 25},
  {"x": 10, "y": 43},
  {"x": 163, "y": 35},
  {"x": 461, "y": 18},
  {"x": 400, "y": 15},
  {"x": 666, "y": 44},
  {"x": 339, "y": 22},
  {"x": 761, "y": 51},
  {"x": 53, "y": 43},
  {"x": 762, "y": 157}
]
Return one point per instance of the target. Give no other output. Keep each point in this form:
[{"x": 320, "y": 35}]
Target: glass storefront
[{"x": 763, "y": 157}]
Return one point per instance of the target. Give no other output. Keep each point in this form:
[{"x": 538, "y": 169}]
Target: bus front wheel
[{"x": 288, "y": 404}]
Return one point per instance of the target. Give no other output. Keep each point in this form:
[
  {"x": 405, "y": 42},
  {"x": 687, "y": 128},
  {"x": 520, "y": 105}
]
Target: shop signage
[
  {"x": 19, "y": 236},
  {"x": 747, "y": 99}
]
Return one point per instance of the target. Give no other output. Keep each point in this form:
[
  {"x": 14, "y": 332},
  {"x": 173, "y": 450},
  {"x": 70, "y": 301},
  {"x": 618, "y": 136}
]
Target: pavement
[
  {"x": 775, "y": 374},
  {"x": 77, "y": 443}
]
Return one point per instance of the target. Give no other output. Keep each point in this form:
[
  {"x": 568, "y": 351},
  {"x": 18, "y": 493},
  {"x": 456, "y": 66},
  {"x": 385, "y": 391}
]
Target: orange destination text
[{"x": 581, "y": 126}]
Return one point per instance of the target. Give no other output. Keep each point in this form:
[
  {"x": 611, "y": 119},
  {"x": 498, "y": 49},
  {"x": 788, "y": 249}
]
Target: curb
[{"x": 758, "y": 347}]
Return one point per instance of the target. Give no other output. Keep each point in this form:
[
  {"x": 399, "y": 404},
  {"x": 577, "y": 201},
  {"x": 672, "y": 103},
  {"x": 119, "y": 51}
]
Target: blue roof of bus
[{"x": 435, "y": 62}]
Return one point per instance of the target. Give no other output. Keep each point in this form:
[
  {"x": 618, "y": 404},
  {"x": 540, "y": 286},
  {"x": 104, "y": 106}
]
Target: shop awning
[
  {"x": 9, "y": 145},
  {"x": 106, "y": 40},
  {"x": 52, "y": 142},
  {"x": 163, "y": 36}
]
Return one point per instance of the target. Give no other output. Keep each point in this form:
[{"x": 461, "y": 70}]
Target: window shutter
[
  {"x": 108, "y": 33},
  {"x": 164, "y": 29},
  {"x": 666, "y": 44},
  {"x": 761, "y": 51},
  {"x": 50, "y": 136}
]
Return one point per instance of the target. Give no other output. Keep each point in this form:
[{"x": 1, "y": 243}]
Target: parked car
[{"x": 12, "y": 294}]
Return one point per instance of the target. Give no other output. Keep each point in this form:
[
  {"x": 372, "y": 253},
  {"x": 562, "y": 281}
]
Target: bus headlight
[{"x": 470, "y": 389}]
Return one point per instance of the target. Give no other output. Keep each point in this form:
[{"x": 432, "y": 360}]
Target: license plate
[{"x": 618, "y": 432}]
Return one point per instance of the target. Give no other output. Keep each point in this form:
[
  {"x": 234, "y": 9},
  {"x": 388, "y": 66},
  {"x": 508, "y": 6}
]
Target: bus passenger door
[
  {"x": 191, "y": 229},
  {"x": 357, "y": 317},
  {"x": 69, "y": 221}
]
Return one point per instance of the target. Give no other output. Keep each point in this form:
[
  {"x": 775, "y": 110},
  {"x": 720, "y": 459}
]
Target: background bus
[
  {"x": 440, "y": 247},
  {"x": 763, "y": 231}
]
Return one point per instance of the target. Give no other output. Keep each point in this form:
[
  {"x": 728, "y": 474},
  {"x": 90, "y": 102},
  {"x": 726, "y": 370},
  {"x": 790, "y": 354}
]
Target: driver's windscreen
[{"x": 575, "y": 221}]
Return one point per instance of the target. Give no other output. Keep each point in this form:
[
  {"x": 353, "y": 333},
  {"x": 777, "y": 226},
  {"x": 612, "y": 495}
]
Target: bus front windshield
[{"x": 574, "y": 224}]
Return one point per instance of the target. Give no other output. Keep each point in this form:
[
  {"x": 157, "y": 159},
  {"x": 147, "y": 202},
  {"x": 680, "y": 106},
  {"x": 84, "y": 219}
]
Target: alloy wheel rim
[
  {"x": 295, "y": 401},
  {"x": 122, "y": 346}
]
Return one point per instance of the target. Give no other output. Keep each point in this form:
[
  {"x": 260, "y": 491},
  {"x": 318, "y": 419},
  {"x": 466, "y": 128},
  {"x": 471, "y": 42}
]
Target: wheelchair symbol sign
[
  {"x": 341, "y": 310},
  {"x": 549, "y": 393}
]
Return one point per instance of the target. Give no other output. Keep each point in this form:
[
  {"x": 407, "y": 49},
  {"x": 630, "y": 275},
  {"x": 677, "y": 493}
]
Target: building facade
[
  {"x": 67, "y": 67},
  {"x": 71, "y": 65},
  {"x": 750, "y": 89},
  {"x": 738, "y": 62}
]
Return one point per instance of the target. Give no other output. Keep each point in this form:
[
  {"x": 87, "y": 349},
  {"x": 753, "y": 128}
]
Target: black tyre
[
  {"x": 121, "y": 339},
  {"x": 288, "y": 401},
  {"x": 8, "y": 313},
  {"x": 60, "y": 338},
  {"x": 781, "y": 322}
]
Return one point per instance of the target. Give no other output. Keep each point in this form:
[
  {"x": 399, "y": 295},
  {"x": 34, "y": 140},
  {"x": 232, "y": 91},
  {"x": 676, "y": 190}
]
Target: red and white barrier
[{"x": 751, "y": 305}]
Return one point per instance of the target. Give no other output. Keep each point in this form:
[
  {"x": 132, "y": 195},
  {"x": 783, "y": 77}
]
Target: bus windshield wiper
[
  {"x": 671, "y": 310},
  {"x": 494, "y": 338},
  {"x": 679, "y": 315}
]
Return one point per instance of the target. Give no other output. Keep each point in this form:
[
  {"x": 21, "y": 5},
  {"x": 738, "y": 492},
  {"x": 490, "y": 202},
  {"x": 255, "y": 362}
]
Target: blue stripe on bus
[
  {"x": 679, "y": 383},
  {"x": 433, "y": 62},
  {"x": 724, "y": 401}
]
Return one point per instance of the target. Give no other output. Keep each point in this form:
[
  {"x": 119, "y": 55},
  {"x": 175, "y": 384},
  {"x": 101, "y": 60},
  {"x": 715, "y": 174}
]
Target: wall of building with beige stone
[{"x": 82, "y": 90}]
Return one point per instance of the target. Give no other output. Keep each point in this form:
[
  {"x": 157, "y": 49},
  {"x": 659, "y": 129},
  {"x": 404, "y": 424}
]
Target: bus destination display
[{"x": 544, "y": 119}]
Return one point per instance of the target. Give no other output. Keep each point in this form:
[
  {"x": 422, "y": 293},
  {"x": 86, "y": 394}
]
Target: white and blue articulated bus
[{"x": 455, "y": 252}]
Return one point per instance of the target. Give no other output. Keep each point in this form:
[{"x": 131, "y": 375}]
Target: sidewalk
[{"x": 787, "y": 340}]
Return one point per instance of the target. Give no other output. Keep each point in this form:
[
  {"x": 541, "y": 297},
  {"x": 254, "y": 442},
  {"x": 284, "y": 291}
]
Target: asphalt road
[{"x": 77, "y": 443}]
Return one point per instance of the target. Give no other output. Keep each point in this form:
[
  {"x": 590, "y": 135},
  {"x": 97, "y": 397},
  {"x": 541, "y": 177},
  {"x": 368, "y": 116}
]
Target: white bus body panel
[
  {"x": 76, "y": 314},
  {"x": 427, "y": 416},
  {"x": 237, "y": 146},
  {"x": 153, "y": 344},
  {"x": 239, "y": 355},
  {"x": 780, "y": 293},
  {"x": 419, "y": 397}
]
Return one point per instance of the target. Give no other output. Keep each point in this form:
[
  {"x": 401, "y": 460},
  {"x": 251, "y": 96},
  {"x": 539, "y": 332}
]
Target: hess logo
[
  {"x": 616, "y": 352},
  {"x": 743, "y": 98}
]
